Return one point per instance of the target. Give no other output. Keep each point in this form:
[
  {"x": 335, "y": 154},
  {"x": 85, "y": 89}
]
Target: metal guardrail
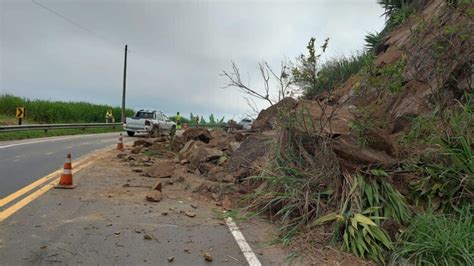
[{"x": 46, "y": 127}]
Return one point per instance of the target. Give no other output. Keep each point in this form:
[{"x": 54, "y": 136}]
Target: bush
[
  {"x": 335, "y": 72},
  {"x": 438, "y": 240},
  {"x": 42, "y": 111},
  {"x": 447, "y": 173}
]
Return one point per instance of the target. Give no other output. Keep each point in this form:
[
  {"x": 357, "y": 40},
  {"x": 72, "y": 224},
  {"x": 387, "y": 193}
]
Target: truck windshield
[{"x": 144, "y": 115}]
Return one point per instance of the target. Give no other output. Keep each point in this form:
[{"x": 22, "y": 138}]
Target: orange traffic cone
[
  {"x": 120, "y": 143},
  {"x": 66, "y": 177}
]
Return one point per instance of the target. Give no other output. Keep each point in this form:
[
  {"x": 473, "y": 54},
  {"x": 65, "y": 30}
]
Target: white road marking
[
  {"x": 243, "y": 245},
  {"x": 46, "y": 140}
]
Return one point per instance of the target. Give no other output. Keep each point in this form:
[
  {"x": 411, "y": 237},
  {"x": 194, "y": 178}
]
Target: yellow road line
[
  {"x": 27, "y": 188},
  {"x": 33, "y": 185},
  {"x": 22, "y": 203}
]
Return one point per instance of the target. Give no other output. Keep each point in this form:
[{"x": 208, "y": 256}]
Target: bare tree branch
[{"x": 235, "y": 80}]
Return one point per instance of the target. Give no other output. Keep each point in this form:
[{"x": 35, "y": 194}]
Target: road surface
[
  {"x": 106, "y": 220},
  {"x": 24, "y": 161}
]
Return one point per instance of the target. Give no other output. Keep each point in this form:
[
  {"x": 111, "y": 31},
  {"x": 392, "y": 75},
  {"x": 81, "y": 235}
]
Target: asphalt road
[{"x": 24, "y": 161}]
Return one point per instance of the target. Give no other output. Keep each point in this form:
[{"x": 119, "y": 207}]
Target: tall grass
[
  {"x": 43, "y": 111},
  {"x": 438, "y": 240},
  {"x": 335, "y": 72}
]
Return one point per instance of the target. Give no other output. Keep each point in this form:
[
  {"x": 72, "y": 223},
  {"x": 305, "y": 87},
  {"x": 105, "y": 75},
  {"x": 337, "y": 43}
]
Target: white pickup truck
[{"x": 155, "y": 123}]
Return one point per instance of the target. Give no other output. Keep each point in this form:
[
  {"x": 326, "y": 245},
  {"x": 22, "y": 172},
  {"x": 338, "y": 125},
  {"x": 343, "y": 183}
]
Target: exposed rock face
[
  {"x": 200, "y": 134},
  {"x": 321, "y": 118},
  {"x": 267, "y": 118}
]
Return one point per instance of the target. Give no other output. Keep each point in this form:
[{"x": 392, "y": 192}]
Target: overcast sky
[{"x": 179, "y": 47}]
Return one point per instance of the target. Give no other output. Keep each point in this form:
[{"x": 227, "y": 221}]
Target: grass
[
  {"x": 432, "y": 239},
  {"x": 335, "y": 72},
  {"x": 49, "y": 112},
  {"x": 52, "y": 133}
]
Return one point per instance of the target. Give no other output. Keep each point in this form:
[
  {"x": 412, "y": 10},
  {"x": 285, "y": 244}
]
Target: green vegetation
[
  {"x": 396, "y": 12},
  {"x": 432, "y": 239},
  {"x": 447, "y": 172},
  {"x": 54, "y": 132},
  {"x": 54, "y": 112},
  {"x": 388, "y": 77},
  {"x": 314, "y": 79},
  {"x": 431, "y": 222},
  {"x": 361, "y": 126}
]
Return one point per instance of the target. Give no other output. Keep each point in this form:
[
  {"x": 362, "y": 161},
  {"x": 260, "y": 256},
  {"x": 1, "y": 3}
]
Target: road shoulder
[{"x": 106, "y": 220}]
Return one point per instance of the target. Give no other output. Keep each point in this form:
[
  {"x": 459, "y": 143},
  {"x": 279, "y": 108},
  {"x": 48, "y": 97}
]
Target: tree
[{"x": 282, "y": 79}]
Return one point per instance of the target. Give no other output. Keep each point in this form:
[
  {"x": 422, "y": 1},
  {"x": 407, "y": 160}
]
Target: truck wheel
[
  {"x": 173, "y": 131},
  {"x": 130, "y": 133}
]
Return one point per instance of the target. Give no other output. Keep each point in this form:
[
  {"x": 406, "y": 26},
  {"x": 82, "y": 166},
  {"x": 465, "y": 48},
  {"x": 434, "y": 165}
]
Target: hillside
[{"x": 383, "y": 161}]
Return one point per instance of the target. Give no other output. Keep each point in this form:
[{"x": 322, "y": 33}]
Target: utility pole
[{"x": 124, "y": 84}]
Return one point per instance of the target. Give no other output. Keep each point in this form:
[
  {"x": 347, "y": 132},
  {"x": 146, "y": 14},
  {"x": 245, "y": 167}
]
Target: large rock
[
  {"x": 142, "y": 143},
  {"x": 188, "y": 148},
  {"x": 317, "y": 117},
  {"x": 200, "y": 134},
  {"x": 248, "y": 157},
  {"x": 347, "y": 147},
  {"x": 267, "y": 118},
  {"x": 204, "y": 154},
  {"x": 222, "y": 141},
  {"x": 161, "y": 169}
]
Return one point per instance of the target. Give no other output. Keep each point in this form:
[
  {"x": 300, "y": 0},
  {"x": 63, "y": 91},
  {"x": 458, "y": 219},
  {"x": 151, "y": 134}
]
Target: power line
[{"x": 77, "y": 24}]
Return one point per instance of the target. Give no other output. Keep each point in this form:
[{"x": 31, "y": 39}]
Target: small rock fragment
[
  {"x": 154, "y": 196},
  {"x": 147, "y": 237},
  {"x": 207, "y": 256},
  {"x": 190, "y": 214},
  {"x": 194, "y": 206},
  {"x": 116, "y": 233},
  {"x": 164, "y": 213},
  {"x": 137, "y": 170},
  {"x": 170, "y": 259},
  {"x": 226, "y": 203},
  {"x": 158, "y": 186}
]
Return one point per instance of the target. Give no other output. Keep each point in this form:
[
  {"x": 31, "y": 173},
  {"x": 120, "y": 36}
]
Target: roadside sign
[{"x": 20, "y": 112}]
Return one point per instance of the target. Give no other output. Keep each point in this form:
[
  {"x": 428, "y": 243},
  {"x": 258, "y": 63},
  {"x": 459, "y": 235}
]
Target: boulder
[
  {"x": 176, "y": 143},
  {"x": 188, "y": 148},
  {"x": 222, "y": 141},
  {"x": 267, "y": 118},
  {"x": 248, "y": 157},
  {"x": 200, "y": 134},
  {"x": 161, "y": 169},
  {"x": 153, "y": 196},
  {"x": 204, "y": 154},
  {"x": 136, "y": 150},
  {"x": 347, "y": 147},
  {"x": 142, "y": 142}
]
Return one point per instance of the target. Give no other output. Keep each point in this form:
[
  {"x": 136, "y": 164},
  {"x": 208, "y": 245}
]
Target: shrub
[
  {"x": 447, "y": 173},
  {"x": 335, "y": 72},
  {"x": 438, "y": 240}
]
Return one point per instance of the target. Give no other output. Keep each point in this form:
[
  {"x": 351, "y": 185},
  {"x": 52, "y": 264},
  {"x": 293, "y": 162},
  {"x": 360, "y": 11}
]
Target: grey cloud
[{"x": 180, "y": 47}]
